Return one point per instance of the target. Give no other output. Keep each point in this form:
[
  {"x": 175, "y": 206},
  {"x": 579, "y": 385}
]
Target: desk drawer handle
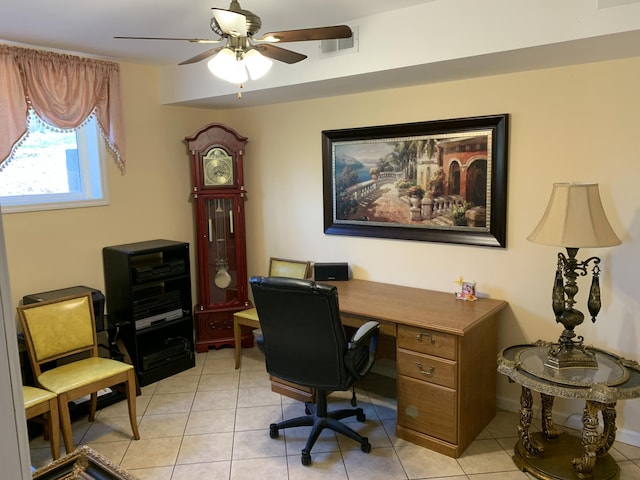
[
  {"x": 426, "y": 373},
  {"x": 430, "y": 338}
]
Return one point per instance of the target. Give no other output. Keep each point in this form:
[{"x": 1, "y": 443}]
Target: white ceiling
[
  {"x": 89, "y": 26},
  {"x": 401, "y": 42}
]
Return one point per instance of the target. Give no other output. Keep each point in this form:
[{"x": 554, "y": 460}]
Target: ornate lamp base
[{"x": 570, "y": 356}]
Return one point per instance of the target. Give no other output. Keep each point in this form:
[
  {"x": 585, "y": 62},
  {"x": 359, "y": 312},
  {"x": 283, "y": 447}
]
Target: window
[{"x": 52, "y": 169}]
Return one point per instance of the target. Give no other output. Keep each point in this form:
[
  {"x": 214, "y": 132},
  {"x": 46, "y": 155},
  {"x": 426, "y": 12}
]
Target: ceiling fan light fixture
[
  {"x": 242, "y": 55},
  {"x": 227, "y": 67},
  {"x": 256, "y": 63},
  {"x": 229, "y": 22}
]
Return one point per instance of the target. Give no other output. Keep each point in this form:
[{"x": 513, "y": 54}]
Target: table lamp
[{"x": 574, "y": 219}]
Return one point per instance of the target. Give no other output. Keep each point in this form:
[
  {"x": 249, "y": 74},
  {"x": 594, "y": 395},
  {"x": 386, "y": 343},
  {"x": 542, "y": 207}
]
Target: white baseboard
[{"x": 571, "y": 420}]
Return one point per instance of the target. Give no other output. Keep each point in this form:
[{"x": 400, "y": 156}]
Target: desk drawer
[
  {"x": 292, "y": 390},
  {"x": 427, "y": 341},
  {"x": 427, "y": 408},
  {"x": 427, "y": 368},
  {"x": 386, "y": 328}
]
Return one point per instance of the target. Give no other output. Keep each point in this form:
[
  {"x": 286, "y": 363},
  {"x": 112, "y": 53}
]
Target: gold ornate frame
[{"x": 83, "y": 463}]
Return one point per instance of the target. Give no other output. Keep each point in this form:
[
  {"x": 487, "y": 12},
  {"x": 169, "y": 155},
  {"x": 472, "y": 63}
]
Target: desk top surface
[{"x": 414, "y": 306}]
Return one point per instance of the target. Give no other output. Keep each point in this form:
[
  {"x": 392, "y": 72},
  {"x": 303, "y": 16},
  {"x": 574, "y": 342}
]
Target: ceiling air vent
[
  {"x": 614, "y": 3},
  {"x": 339, "y": 46}
]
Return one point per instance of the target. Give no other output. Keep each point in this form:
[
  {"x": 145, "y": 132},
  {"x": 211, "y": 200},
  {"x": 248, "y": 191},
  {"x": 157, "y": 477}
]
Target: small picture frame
[{"x": 467, "y": 291}]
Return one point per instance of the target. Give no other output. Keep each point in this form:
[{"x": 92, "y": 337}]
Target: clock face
[{"x": 218, "y": 168}]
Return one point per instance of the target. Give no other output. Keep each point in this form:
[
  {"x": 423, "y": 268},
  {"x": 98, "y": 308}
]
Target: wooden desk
[{"x": 446, "y": 358}]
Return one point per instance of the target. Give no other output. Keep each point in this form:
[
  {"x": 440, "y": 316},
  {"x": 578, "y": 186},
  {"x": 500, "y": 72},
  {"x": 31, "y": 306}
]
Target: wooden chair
[
  {"x": 43, "y": 402},
  {"x": 61, "y": 332},
  {"x": 278, "y": 267}
]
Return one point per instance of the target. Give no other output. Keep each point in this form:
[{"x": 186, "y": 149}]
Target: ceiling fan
[{"x": 242, "y": 52}]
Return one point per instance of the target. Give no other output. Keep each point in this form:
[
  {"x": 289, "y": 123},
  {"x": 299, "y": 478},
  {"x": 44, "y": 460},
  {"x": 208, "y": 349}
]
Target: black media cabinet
[{"x": 148, "y": 295}]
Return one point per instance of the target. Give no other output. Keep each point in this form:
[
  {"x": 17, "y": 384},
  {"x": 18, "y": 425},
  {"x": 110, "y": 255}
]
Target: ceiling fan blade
[
  {"x": 201, "y": 56},
  {"x": 231, "y": 23},
  {"x": 305, "y": 34},
  {"x": 280, "y": 54},
  {"x": 192, "y": 40}
]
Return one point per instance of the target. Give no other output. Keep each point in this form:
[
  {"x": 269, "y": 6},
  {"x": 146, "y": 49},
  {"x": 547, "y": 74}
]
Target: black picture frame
[{"x": 458, "y": 165}]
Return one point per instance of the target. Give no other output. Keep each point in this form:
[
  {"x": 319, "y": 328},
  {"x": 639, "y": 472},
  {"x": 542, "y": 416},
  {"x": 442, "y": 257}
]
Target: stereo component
[
  {"x": 175, "y": 350},
  {"x": 331, "y": 271},
  {"x": 158, "y": 319},
  {"x": 144, "y": 273}
]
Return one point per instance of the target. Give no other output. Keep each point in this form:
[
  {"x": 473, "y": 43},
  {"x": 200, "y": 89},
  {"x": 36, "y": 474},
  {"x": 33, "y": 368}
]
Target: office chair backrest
[
  {"x": 58, "y": 328},
  {"x": 304, "y": 340}
]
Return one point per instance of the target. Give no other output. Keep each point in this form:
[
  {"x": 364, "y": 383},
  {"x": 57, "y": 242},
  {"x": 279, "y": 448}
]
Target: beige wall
[{"x": 576, "y": 123}]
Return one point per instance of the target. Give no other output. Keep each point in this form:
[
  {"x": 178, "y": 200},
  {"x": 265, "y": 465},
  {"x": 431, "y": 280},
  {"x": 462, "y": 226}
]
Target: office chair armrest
[
  {"x": 364, "y": 332},
  {"x": 361, "y": 352}
]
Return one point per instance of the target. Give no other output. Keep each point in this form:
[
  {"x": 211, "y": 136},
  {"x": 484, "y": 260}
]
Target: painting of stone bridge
[{"x": 429, "y": 180}]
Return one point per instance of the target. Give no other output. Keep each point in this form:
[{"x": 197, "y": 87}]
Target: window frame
[{"x": 92, "y": 155}]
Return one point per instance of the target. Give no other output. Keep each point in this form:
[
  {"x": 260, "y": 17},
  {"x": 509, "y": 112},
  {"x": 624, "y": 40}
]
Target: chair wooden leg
[
  {"x": 237, "y": 339},
  {"x": 127, "y": 359},
  {"x": 131, "y": 402},
  {"x": 65, "y": 422},
  {"x": 54, "y": 428},
  {"x": 93, "y": 406}
]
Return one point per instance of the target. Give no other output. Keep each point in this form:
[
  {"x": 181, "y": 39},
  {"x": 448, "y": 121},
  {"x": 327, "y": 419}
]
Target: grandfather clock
[{"x": 217, "y": 153}]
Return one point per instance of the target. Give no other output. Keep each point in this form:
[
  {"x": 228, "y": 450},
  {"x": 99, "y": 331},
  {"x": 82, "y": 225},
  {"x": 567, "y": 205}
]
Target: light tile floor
[{"x": 211, "y": 423}]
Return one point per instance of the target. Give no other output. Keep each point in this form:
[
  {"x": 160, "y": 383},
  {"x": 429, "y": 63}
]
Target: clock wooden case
[{"x": 217, "y": 154}]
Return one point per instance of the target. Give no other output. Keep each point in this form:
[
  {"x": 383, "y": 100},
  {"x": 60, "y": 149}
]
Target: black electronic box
[{"x": 331, "y": 271}]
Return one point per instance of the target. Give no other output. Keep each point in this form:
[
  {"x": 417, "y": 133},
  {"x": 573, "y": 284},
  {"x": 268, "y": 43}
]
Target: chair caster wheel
[
  {"x": 365, "y": 446},
  {"x": 273, "y": 430},
  {"x": 360, "y": 416},
  {"x": 306, "y": 458}
]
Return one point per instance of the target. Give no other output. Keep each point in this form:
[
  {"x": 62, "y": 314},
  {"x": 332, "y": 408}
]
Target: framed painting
[
  {"x": 437, "y": 181},
  {"x": 83, "y": 463}
]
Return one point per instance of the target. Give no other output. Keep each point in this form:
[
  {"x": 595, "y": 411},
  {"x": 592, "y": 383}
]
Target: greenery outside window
[{"x": 53, "y": 169}]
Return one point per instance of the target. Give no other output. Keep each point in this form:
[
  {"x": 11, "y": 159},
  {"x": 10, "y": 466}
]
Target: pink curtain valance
[{"x": 63, "y": 90}]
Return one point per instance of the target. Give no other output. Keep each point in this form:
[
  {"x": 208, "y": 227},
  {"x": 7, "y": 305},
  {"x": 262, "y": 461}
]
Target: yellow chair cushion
[
  {"x": 34, "y": 396},
  {"x": 82, "y": 372},
  {"x": 250, "y": 314},
  {"x": 59, "y": 328}
]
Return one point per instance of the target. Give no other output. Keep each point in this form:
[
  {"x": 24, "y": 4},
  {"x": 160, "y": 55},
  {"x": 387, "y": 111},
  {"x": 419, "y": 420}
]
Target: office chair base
[{"x": 318, "y": 418}]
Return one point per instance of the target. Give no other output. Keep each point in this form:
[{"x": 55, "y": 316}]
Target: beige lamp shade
[{"x": 575, "y": 218}]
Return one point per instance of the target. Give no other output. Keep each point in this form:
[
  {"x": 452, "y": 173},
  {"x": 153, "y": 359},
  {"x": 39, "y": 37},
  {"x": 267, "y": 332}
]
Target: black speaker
[{"x": 331, "y": 271}]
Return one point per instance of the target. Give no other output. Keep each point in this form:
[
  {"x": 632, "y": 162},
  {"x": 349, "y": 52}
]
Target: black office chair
[{"x": 304, "y": 342}]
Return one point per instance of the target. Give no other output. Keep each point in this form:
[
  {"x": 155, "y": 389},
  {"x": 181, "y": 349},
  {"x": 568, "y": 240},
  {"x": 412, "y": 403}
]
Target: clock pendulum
[{"x": 222, "y": 278}]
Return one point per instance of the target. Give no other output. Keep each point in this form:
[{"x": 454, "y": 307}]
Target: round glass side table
[{"x": 551, "y": 454}]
